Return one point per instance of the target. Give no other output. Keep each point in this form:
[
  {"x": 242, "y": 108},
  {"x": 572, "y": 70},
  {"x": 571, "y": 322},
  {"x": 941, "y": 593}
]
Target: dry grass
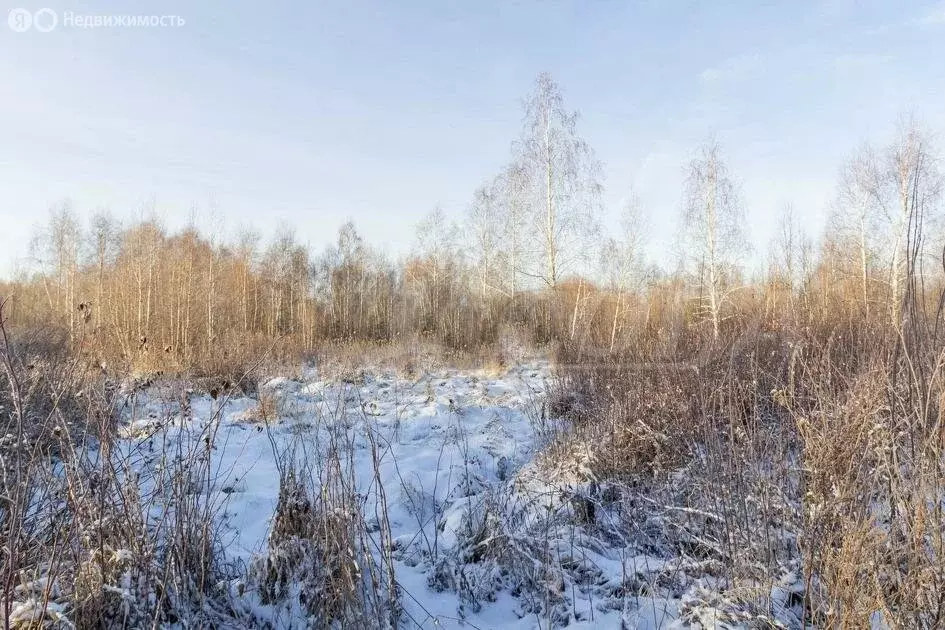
[
  {"x": 313, "y": 556},
  {"x": 805, "y": 445},
  {"x": 270, "y": 406},
  {"x": 410, "y": 358},
  {"x": 80, "y": 547},
  {"x": 816, "y": 451}
]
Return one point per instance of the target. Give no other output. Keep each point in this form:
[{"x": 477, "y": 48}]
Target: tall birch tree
[
  {"x": 712, "y": 228},
  {"x": 562, "y": 180}
]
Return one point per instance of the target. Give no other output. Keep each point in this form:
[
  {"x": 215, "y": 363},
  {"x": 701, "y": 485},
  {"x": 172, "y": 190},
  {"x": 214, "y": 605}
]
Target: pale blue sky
[{"x": 308, "y": 113}]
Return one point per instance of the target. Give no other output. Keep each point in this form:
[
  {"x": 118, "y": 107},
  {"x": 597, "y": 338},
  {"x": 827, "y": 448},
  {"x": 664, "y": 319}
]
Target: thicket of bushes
[{"x": 777, "y": 449}]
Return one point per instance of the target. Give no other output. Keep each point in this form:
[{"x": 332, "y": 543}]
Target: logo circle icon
[
  {"x": 45, "y": 20},
  {"x": 20, "y": 20}
]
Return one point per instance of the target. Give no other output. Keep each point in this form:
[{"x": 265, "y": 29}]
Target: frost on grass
[
  {"x": 571, "y": 549},
  {"x": 433, "y": 500}
]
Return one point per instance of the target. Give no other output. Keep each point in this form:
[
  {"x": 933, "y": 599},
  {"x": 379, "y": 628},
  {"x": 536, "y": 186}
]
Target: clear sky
[{"x": 308, "y": 113}]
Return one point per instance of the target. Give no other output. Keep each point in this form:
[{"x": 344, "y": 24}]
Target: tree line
[{"x": 533, "y": 257}]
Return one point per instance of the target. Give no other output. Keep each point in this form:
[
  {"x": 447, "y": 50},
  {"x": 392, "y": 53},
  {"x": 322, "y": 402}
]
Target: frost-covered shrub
[
  {"x": 319, "y": 569},
  {"x": 311, "y": 563}
]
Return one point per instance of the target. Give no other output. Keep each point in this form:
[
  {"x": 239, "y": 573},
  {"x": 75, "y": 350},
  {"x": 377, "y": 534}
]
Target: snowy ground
[{"x": 476, "y": 518}]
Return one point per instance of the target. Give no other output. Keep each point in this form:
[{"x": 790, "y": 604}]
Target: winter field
[
  {"x": 425, "y": 460},
  {"x": 430, "y": 500},
  {"x": 472, "y": 315},
  {"x": 428, "y": 492}
]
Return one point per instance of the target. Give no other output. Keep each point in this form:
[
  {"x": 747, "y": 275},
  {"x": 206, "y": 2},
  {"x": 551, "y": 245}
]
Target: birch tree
[
  {"x": 860, "y": 200},
  {"x": 245, "y": 258},
  {"x": 485, "y": 231},
  {"x": 561, "y": 177},
  {"x": 789, "y": 253},
  {"x": 510, "y": 191},
  {"x": 784, "y": 247},
  {"x": 914, "y": 185},
  {"x": 623, "y": 264},
  {"x": 436, "y": 250},
  {"x": 102, "y": 247},
  {"x": 712, "y": 232},
  {"x": 56, "y": 250}
]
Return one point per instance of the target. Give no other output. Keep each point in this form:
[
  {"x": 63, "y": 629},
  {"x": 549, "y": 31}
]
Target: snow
[
  {"x": 458, "y": 452},
  {"x": 34, "y": 610},
  {"x": 444, "y": 438}
]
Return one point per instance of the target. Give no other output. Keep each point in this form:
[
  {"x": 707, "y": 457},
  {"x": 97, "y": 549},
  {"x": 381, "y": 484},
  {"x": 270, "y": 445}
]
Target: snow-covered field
[{"x": 486, "y": 532}]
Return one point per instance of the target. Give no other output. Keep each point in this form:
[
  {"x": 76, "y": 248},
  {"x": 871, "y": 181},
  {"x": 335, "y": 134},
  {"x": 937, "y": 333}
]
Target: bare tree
[
  {"x": 437, "y": 252},
  {"x": 915, "y": 184},
  {"x": 103, "y": 243},
  {"x": 344, "y": 268},
  {"x": 246, "y": 244},
  {"x": 712, "y": 228},
  {"x": 512, "y": 217},
  {"x": 485, "y": 246},
  {"x": 789, "y": 263},
  {"x": 860, "y": 200},
  {"x": 622, "y": 262},
  {"x": 56, "y": 251},
  {"x": 784, "y": 246},
  {"x": 561, "y": 177}
]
